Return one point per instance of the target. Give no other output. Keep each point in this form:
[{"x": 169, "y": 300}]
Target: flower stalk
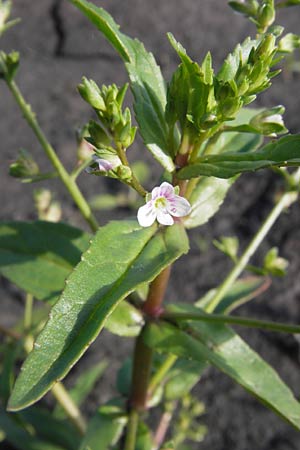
[
  {"x": 286, "y": 200},
  {"x": 67, "y": 179}
]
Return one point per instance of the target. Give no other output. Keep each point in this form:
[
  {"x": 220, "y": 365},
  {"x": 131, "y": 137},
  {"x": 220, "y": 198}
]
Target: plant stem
[
  {"x": 142, "y": 362},
  {"x": 134, "y": 183},
  {"x": 77, "y": 171},
  {"x": 156, "y": 294},
  {"x": 132, "y": 427},
  {"x": 220, "y": 318},
  {"x": 63, "y": 398},
  {"x": 286, "y": 200},
  {"x": 28, "y": 312},
  {"x": 161, "y": 372},
  {"x": 142, "y": 358},
  {"x": 163, "y": 426},
  {"x": 68, "y": 181}
]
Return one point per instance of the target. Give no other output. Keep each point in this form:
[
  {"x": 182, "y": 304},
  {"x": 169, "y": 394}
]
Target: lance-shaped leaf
[
  {"x": 121, "y": 257},
  {"x": 241, "y": 292},
  {"x": 20, "y": 437},
  {"x": 284, "y": 152},
  {"x": 224, "y": 349},
  {"x": 206, "y": 200},
  {"x": 147, "y": 82},
  {"x": 105, "y": 428},
  {"x": 209, "y": 193},
  {"x": 38, "y": 256}
]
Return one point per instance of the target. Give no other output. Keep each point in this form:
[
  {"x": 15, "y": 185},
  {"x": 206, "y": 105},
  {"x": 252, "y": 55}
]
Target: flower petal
[
  {"x": 164, "y": 218},
  {"x": 146, "y": 215},
  {"x": 179, "y": 206},
  {"x": 155, "y": 192},
  {"x": 166, "y": 190}
]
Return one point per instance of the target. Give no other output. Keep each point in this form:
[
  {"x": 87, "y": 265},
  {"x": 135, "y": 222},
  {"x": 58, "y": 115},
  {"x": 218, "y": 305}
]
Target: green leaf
[
  {"x": 147, "y": 83},
  {"x": 49, "y": 428},
  {"x": 121, "y": 257},
  {"x": 241, "y": 292},
  {"x": 125, "y": 320},
  {"x": 38, "y": 256},
  {"x": 124, "y": 377},
  {"x": 144, "y": 440},
  {"x": 8, "y": 360},
  {"x": 182, "y": 377},
  {"x": 105, "y": 428},
  {"x": 19, "y": 437},
  {"x": 209, "y": 193},
  {"x": 237, "y": 142},
  {"x": 223, "y": 348},
  {"x": 83, "y": 387},
  {"x": 206, "y": 200},
  {"x": 281, "y": 153}
]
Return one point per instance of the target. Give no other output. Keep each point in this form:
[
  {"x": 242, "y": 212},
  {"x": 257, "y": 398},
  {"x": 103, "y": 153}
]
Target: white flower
[{"x": 163, "y": 205}]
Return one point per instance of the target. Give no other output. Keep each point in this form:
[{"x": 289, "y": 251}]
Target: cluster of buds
[
  {"x": 262, "y": 13},
  {"x": 113, "y": 134},
  {"x": 108, "y": 102},
  {"x": 5, "y": 10},
  {"x": 245, "y": 73}
]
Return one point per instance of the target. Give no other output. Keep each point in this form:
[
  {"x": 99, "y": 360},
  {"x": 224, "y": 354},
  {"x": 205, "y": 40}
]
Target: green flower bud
[
  {"x": 270, "y": 122},
  {"x": 91, "y": 93},
  {"x": 124, "y": 173},
  {"x": 47, "y": 208},
  {"x": 274, "y": 264},
  {"x": 9, "y": 64},
  {"x": 5, "y": 9},
  {"x": 266, "y": 15},
  {"x": 289, "y": 43},
  {"x": 24, "y": 167}
]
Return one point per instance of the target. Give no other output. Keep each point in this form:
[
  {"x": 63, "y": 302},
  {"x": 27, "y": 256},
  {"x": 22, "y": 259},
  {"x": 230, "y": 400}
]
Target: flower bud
[
  {"x": 91, "y": 93},
  {"x": 24, "y": 167},
  {"x": 270, "y": 122},
  {"x": 266, "y": 15}
]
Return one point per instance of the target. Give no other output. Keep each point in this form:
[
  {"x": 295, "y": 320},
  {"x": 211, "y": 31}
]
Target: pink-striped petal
[
  {"x": 164, "y": 218},
  {"x": 146, "y": 215},
  {"x": 166, "y": 190},
  {"x": 179, "y": 206}
]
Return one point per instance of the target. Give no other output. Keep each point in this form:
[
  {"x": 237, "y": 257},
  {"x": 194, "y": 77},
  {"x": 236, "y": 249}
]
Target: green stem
[
  {"x": 77, "y": 171},
  {"x": 220, "y": 318},
  {"x": 63, "y": 398},
  {"x": 132, "y": 428},
  {"x": 161, "y": 373},
  {"x": 28, "y": 312},
  {"x": 286, "y": 200},
  {"x": 134, "y": 183},
  {"x": 50, "y": 152}
]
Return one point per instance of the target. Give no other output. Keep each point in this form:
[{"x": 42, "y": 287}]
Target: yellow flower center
[{"x": 160, "y": 203}]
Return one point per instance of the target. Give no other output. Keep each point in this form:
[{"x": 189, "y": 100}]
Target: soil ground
[{"x": 58, "y": 46}]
